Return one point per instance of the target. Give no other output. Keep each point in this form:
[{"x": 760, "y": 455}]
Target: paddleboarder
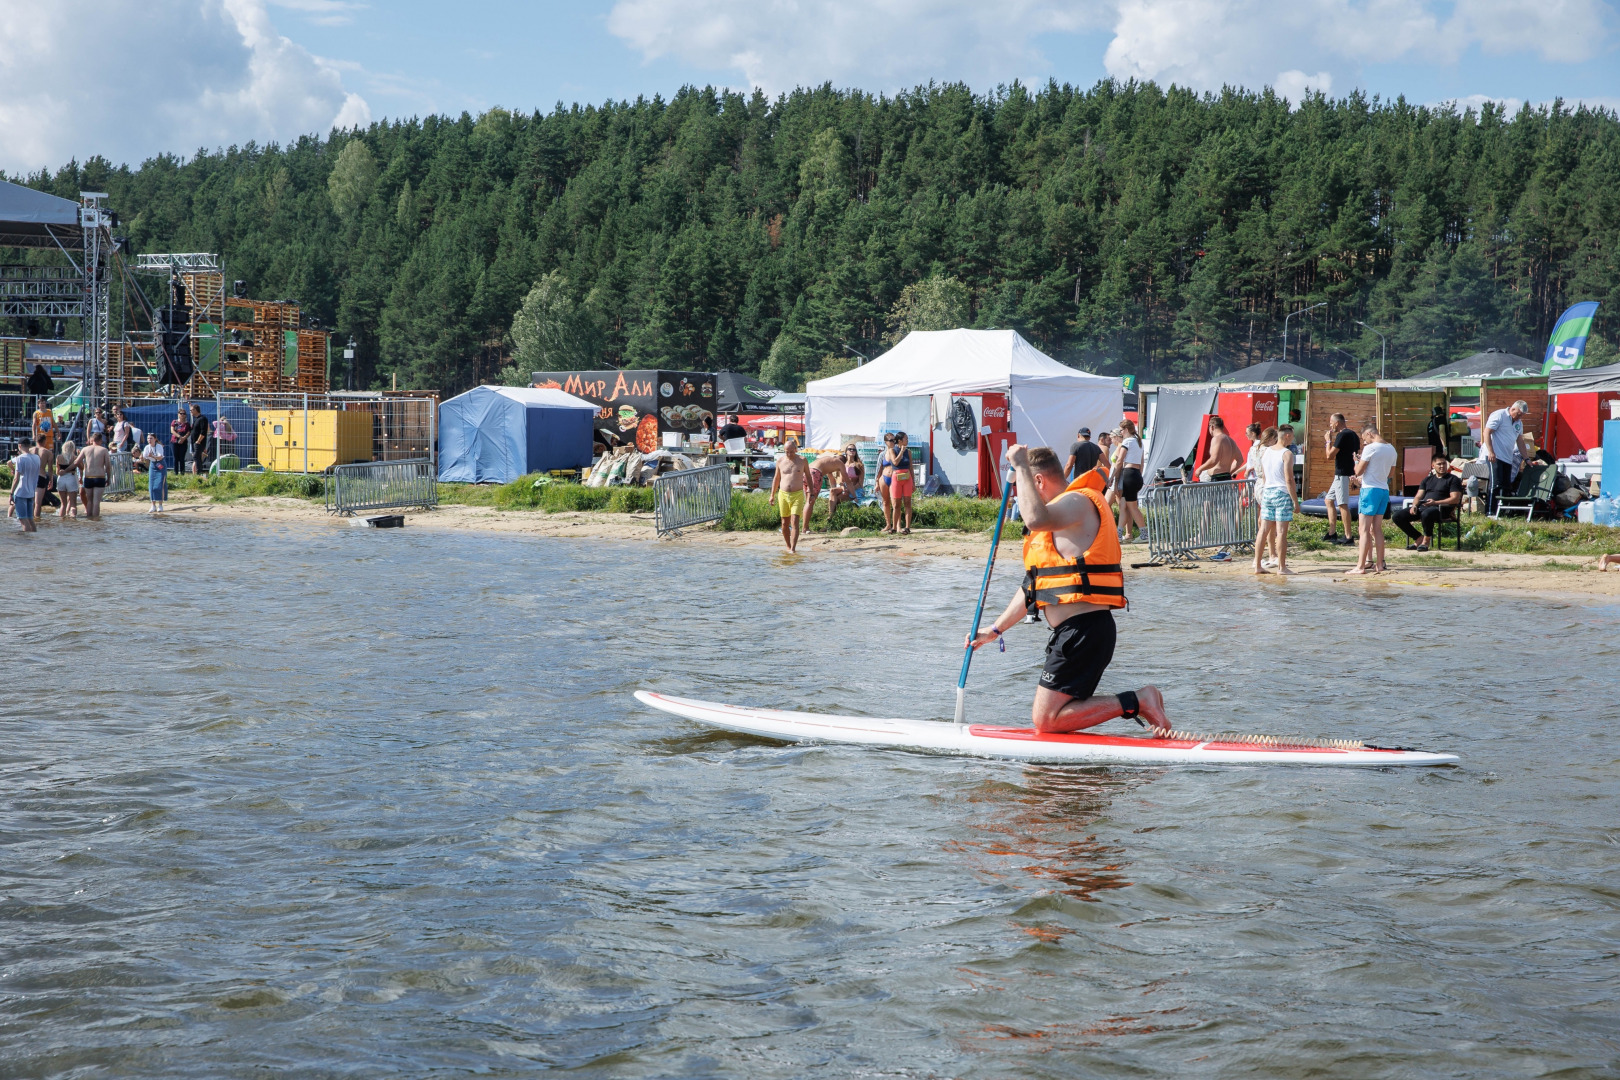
[{"x": 1073, "y": 577}]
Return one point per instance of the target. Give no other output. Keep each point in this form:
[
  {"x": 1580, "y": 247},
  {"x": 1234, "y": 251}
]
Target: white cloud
[
  {"x": 780, "y": 44},
  {"x": 79, "y": 78},
  {"x": 322, "y": 12},
  {"x": 1559, "y": 30},
  {"x": 1294, "y": 85},
  {"x": 1204, "y": 44}
]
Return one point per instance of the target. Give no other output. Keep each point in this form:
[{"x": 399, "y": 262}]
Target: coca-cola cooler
[{"x": 968, "y": 443}]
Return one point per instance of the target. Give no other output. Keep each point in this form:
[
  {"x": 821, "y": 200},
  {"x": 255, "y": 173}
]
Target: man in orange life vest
[{"x": 1073, "y": 577}]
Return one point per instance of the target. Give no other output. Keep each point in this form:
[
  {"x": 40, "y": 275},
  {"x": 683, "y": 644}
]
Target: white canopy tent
[{"x": 1048, "y": 400}]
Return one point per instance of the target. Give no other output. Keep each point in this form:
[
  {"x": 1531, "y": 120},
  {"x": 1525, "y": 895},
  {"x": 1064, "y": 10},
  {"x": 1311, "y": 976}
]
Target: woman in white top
[
  {"x": 1130, "y": 483},
  {"x": 1251, "y": 465},
  {"x": 156, "y": 473},
  {"x": 1278, "y": 502},
  {"x": 1251, "y": 471}
]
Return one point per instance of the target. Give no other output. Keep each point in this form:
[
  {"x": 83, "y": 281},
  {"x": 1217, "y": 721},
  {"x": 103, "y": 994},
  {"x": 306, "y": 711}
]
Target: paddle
[{"x": 978, "y": 611}]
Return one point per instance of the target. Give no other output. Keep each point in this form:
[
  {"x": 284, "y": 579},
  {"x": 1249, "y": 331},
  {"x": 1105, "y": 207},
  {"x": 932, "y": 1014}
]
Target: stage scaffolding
[
  {"x": 238, "y": 345},
  {"x": 81, "y": 233}
]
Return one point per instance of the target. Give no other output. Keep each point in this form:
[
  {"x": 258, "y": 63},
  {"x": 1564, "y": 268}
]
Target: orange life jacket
[{"x": 1095, "y": 578}]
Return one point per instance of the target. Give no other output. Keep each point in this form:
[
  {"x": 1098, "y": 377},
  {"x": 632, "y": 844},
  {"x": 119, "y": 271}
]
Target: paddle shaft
[{"x": 978, "y": 610}]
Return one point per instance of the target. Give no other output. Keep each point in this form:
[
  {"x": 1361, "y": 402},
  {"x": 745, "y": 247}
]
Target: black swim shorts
[
  {"x": 1130, "y": 483},
  {"x": 1079, "y": 652}
]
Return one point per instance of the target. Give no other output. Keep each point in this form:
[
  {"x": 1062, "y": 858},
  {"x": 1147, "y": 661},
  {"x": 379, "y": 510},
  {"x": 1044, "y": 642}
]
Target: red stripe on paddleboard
[{"x": 1031, "y": 735}]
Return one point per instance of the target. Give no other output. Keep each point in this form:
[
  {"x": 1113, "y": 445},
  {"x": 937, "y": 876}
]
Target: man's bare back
[
  {"x": 1223, "y": 456},
  {"x": 95, "y": 460}
]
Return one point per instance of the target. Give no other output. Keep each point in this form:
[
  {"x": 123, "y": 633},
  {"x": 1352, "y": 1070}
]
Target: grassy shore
[{"x": 754, "y": 512}]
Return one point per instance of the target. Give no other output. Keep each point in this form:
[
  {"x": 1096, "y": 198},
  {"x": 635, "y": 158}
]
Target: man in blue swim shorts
[{"x": 1377, "y": 459}]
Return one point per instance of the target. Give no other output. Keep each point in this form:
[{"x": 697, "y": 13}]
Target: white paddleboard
[{"x": 1017, "y": 744}]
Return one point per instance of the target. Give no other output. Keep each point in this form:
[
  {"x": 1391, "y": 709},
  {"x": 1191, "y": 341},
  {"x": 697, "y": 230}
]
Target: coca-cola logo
[
  {"x": 995, "y": 413},
  {"x": 1265, "y": 406}
]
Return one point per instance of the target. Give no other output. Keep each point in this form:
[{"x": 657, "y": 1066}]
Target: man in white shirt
[
  {"x": 1377, "y": 459},
  {"x": 24, "y": 485},
  {"x": 1502, "y": 432}
]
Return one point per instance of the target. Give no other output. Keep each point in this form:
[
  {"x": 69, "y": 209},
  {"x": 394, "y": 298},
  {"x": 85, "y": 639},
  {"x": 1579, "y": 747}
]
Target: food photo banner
[{"x": 640, "y": 404}]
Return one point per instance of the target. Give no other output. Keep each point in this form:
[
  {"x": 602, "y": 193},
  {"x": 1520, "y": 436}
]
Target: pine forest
[{"x": 1124, "y": 229}]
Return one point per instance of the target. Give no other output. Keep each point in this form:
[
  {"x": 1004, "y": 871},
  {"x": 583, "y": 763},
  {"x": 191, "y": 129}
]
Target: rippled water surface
[{"x": 336, "y": 802}]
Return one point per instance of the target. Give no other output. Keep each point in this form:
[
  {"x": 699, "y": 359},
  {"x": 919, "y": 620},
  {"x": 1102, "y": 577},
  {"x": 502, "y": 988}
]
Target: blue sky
[
  {"x": 420, "y": 56},
  {"x": 240, "y": 70}
]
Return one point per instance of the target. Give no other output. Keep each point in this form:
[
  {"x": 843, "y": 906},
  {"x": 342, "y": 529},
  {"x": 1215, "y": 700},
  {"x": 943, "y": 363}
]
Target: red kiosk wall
[
  {"x": 992, "y": 449},
  {"x": 1237, "y": 411},
  {"x": 1241, "y": 410},
  {"x": 1577, "y": 421},
  {"x": 993, "y": 414},
  {"x": 1203, "y": 444}
]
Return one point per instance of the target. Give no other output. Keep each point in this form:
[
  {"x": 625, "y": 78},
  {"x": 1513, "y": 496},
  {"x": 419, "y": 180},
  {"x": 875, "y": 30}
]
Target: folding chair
[{"x": 1535, "y": 486}]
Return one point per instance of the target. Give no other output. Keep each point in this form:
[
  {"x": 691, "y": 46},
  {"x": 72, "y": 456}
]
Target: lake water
[{"x": 338, "y": 802}]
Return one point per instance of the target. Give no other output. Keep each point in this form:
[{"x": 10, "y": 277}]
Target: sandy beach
[{"x": 1567, "y": 576}]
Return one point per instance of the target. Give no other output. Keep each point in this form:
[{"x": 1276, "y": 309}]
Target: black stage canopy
[{"x": 748, "y": 394}]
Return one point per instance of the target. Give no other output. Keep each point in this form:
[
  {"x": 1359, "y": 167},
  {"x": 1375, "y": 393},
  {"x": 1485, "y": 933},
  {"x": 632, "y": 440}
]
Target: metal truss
[
  {"x": 95, "y": 221},
  {"x": 48, "y": 292},
  {"x": 189, "y": 260}
]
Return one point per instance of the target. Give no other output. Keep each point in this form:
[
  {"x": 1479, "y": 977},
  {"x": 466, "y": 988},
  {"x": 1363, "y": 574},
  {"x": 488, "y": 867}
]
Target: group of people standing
[
  {"x": 71, "y": 478},
  {"x": 68, "y": 477},
  {"x": 1118, "y": 456},
  {"x": 797, "y": 483}
]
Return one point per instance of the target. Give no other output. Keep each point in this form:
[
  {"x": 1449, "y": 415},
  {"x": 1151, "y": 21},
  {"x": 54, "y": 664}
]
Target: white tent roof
[
  {"x": 959, "y": 361},
  {"x": 1047, "y": 400},
  {"x": 529, "y": 395}
]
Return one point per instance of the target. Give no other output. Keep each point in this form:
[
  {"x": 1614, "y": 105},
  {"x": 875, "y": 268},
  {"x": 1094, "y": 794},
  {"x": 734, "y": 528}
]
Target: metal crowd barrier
[
  {"x": 691, "y": 497},
  {"x": 382, "y": 485},
  {"x": 122, "y": 480},
  {"x": 1184, "y": 519}
]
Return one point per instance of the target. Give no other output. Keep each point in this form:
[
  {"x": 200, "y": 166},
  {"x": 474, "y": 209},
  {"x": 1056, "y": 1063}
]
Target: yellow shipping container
[{"x": 336, "y": 437}]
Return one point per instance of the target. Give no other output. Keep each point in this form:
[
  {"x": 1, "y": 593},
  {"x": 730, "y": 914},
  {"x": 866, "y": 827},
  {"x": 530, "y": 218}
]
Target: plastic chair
[
  {"x": 1415, "y": 467},
  {"x": 1535, "y": 487}
]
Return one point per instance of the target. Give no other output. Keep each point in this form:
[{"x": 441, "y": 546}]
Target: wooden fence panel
[{"x": 1359, "y": 410}]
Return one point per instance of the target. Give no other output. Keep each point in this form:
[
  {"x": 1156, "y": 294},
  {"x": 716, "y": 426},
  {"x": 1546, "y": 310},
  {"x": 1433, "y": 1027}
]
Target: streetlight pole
[
  {"x": 1290, "y": 315},
  {"x": 1383, "y": 356}
]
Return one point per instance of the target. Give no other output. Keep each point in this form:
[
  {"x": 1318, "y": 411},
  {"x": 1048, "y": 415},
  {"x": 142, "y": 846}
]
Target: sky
[{"x": 174, "y": 76}]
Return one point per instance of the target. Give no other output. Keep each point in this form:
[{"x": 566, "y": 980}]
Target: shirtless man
[
  {"x": 1065, "y": 527},
  {"x": 97, "y": 465},
  {"x": 1223, "y": 460},
  {"x": 787, "y": 491},
  {"x": 828, "y": 466}
]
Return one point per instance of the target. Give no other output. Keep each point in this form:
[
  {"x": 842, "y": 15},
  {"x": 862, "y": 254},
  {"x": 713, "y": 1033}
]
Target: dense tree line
[{"x": 1123, "y": 229}]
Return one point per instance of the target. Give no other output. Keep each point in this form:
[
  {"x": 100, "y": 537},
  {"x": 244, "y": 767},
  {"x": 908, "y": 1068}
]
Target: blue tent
[{"x": 495, "y": 434}]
